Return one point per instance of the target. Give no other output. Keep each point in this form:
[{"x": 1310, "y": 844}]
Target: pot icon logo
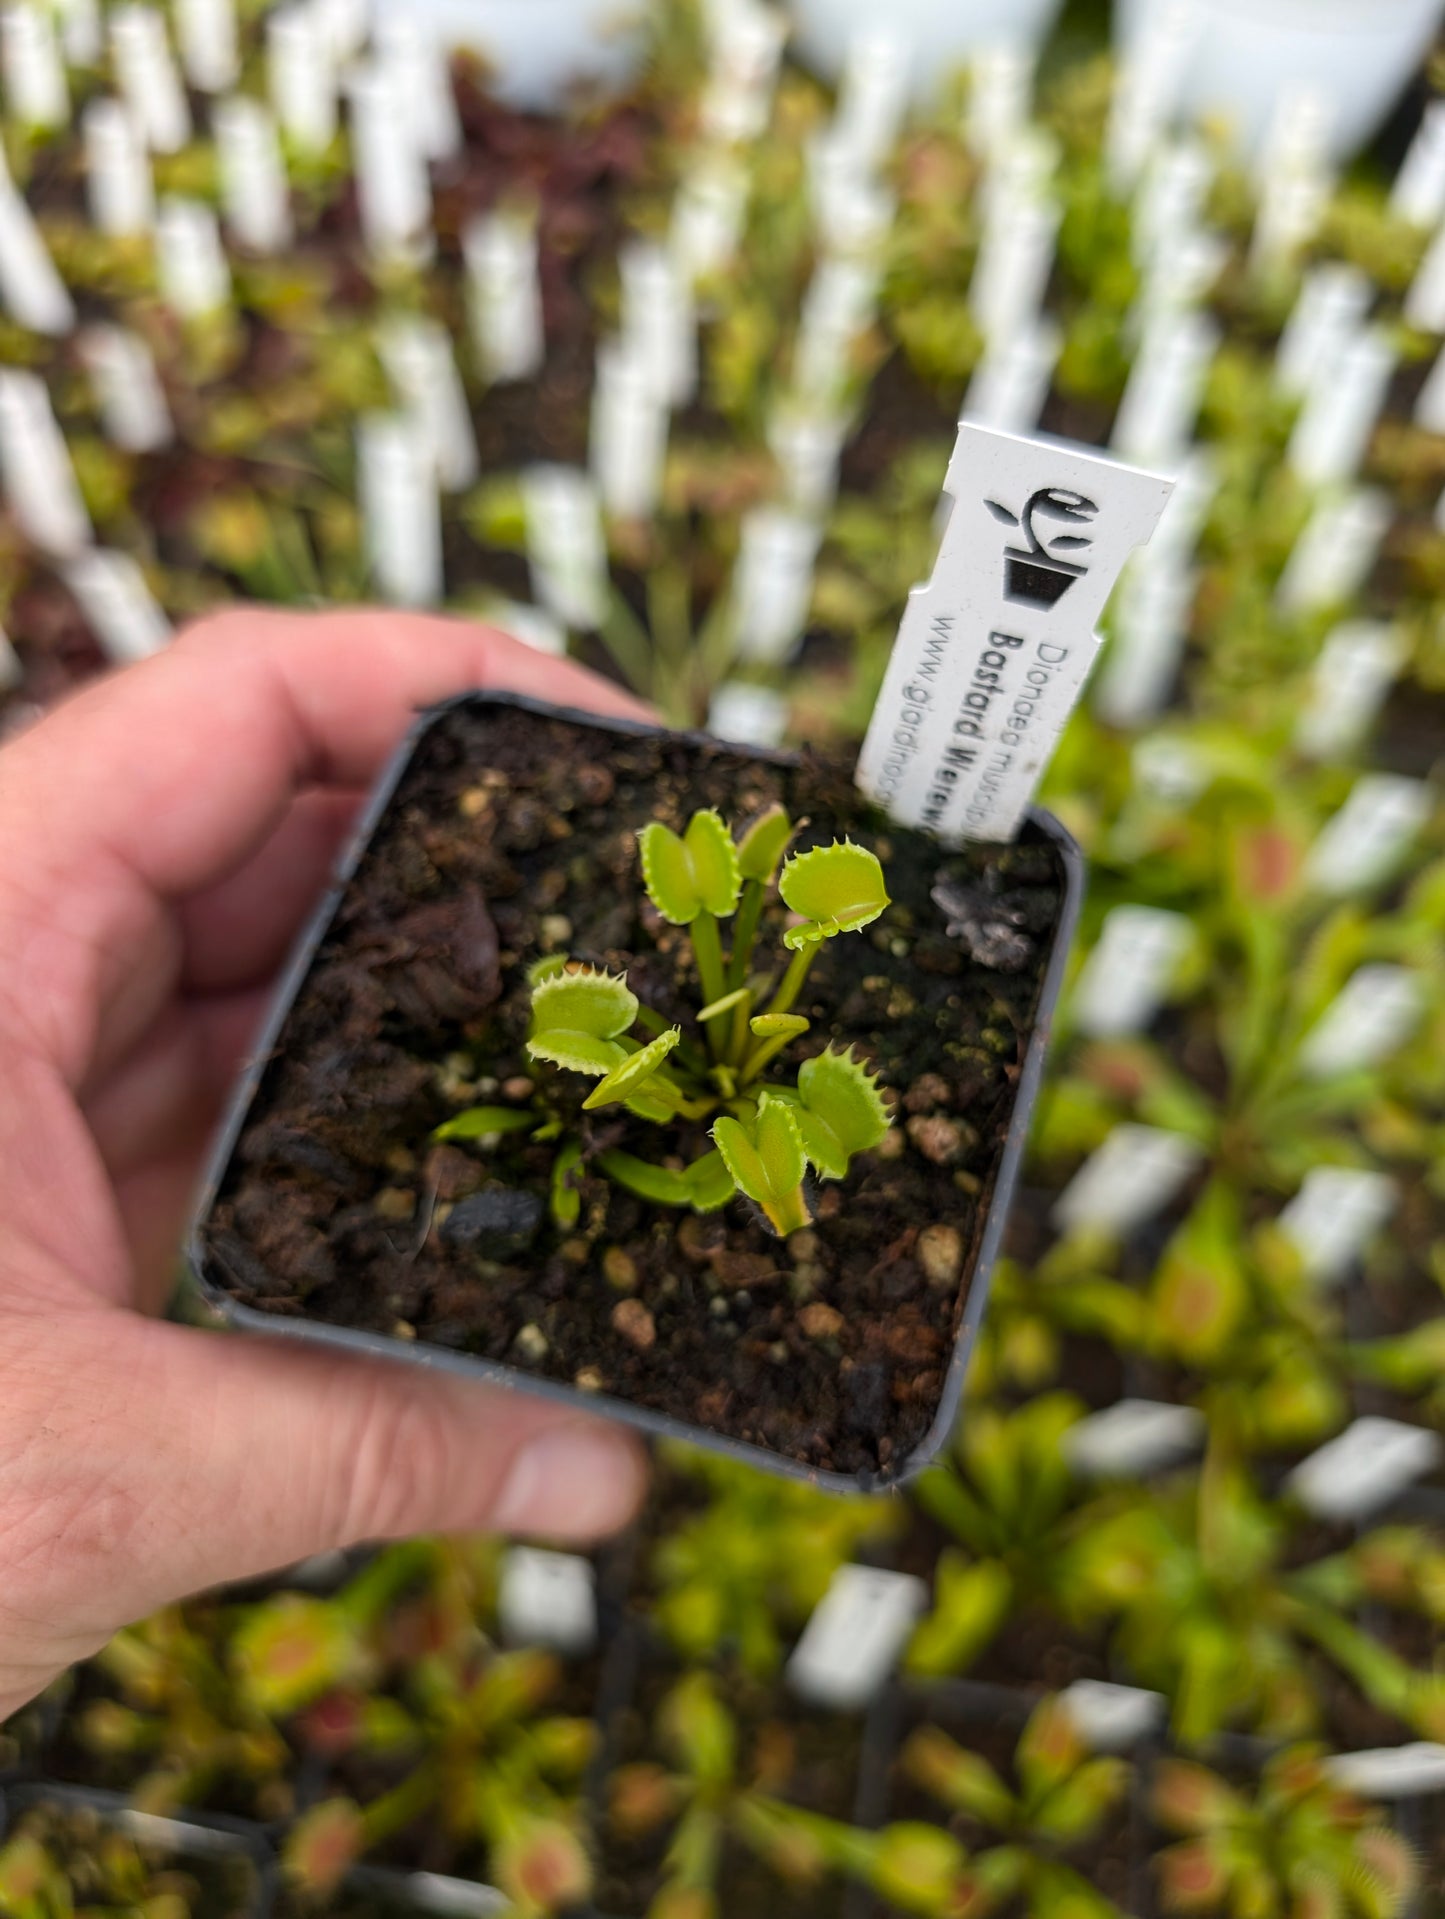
[{"x": 1039, "y": 573}]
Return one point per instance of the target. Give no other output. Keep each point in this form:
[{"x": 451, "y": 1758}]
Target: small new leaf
[
  {"x": 633, "y": 1074},
  {"x": 697, "y": 873},
  {"x": 778, "y": 1025},
  {"x": 762, "y": 846},
  {"x": 485, "y": 1122},
  {"x": 836, "y": 889},
  {"x": 841, "y": 1112},
  {"x": 768, "y": 1166}
]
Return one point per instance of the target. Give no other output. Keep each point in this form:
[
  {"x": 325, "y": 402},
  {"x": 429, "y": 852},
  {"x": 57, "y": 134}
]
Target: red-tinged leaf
[
  {"x": 1269, "y": 864},
  {"x": 544, "y": 1867},
  {"x": 1385, "y": 1874},
  {"x": 323, "y": 1845},
  {"x": 333, "y": 1724},
  {"x": 1050, "y": 1746},
  {"x": 1190, "y": 1798},
  {"x": 1191, "y": 1877},
  {"x": 641, "y": 1798}
]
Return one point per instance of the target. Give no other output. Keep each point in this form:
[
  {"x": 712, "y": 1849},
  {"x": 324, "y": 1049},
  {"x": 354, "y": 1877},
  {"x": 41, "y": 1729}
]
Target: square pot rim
[{"x": 498, "y": 1373}]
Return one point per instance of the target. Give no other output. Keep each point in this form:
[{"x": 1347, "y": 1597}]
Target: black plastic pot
[
  {"x": 992, "y": 1204},
  {"x": 199, "y": 1843}
]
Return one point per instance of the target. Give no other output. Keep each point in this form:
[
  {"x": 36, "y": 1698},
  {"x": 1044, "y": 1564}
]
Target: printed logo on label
[{"x": 1039, "y": 573}]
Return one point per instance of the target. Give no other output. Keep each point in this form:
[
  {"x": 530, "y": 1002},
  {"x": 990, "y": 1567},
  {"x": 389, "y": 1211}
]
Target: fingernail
[{"x": 573, "y": 1481}]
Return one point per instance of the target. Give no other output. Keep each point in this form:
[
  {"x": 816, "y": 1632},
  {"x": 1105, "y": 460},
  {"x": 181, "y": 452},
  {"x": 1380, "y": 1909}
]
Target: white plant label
[
  {"x": 1001, "y": 84},
  {"x": 1124, "y": 981},
  {"x": 1370, "y": 834},
  {"x": 1114, "y": 1718},
  {"x": 1133, "y": 1438},
  {"x": 118, "y": 605},
  {"x": 565, "y": 544},
  {"x": 417, "y": 356},
  {"x": 839, "y": 305},
  {"x": 851, "y": 211},
  {"x": 659, "y": 320},
  {"x": 392, "y": 182},
  {"x": 1014, "y": 261},
  {"x": 808, "y": 445},
  {"x": 301, "y": 76},
  {"x": 707, "y": 217},
  {"x": 873, "y": 95},
  {"x": 207, "y": 31},
  {"x": 1134, "y": 1175},
  {"x": 1425, "y": 301},
  {"x": 1370, "y": 1464},
  {"x": 506, "y": 294},
  {"x": 1146, "y": 90},
  {"x": 117, "y": 171},
  {"x": 255, "y": 192},
  {"x": 1333, "y": 429},
  {"x": 1375, "y": 1013},
  {"x": 1172, "y": 196},
  {"x": 40, "y": 486},
  {"x": 345, "y": 24},
  {"x": 1328, "y": 311},
  {"x": 81, "y": 32},
  {"x": 1166, "y": 383},
  {"x": 1182, "y": 272},
  {"x": 1336, "y": 552},
  {"x": 1295, "y": 179},
  {"x": 628, "y": 435},
  {"x": 420, "y": 61},
  {"x": 855, "y": 1636},
  {"x": 1333, "y": 1217},
  {"x": 1430, "y": 406},
  {"x": 401, "y": 509},
  {"x": 1149, "y": 620},
  {"x": 1010, "y": 384},
  {"x": 149, "y": 82},
  {"x": 12, "y": 671},
  {"x": 994, "y": 649},
  {"x": 31, "y": 288},
  {"x": 1356, "y": 668},
  {"x": 128, "y": 390},
  {"x": 35, "y": 91},
  {"x": 1168, "y": 768},
  {"x": 773, "y": 583},
  {"x": 746, "y": 48},
  {"x": 548, "y": 1599},
  {"x": 1411, "y": 1771},
  {"x": 195, "y": 277},
  {"x": 748, "y": 715},
  {"x": 1418, "y": 194}
]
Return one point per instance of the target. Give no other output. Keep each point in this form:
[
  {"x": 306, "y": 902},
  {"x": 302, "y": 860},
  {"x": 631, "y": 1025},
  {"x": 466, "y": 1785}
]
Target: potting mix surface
[{"x": 514, "y": 835}]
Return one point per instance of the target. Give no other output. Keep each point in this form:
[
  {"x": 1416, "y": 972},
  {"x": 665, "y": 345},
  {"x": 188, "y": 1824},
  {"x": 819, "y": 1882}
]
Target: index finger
[
  {"x": 167, "y": 777},
  {"x": 179, "y": 767}
]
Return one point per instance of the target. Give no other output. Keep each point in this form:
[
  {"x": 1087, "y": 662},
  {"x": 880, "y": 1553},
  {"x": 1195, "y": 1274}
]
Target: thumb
[{"x": 194, "y": 1458}]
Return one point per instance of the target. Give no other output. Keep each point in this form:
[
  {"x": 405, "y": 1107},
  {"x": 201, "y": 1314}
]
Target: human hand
[{"x": 162, "y": 838}]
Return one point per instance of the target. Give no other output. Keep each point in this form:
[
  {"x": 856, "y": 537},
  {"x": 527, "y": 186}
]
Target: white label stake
[
  {"x": 548, "y": 1599},
  {"x": 117, "y": 171},
  {"x": 1369, "y": 1464},
  {"x": 116, "y": 601},
  {"x": 501, "y": 256},
  {"x": 1334, "y": 1216},
  {"x": 255, "y": 190},
  {"x": 1367, "y": 838},
  {"x": 132, "y": 403},
  {"x": 148, "y": 77},
  {"x": 40, "y": 485},
  {"x": 1376, "y": 1012},
  {"x": 853, "y": 1640},
  {"x": 565, "y": 544},
  {"x": 1125, "y": 978},
  {"x": 1418, "y": 194},
  {"x": 400, "y": 509},
  {"x": 993, "y": 651},
  {"x": 35, "y": 91},
  {"x": 417, "y": 355},
  {"x": 1134, "y": 1175},
  {"x": 30, "y": 284},
  {"x": 207, "y": 30},
  {"x": 195, "y": 277},
  {"x": 1356, "y": 668},
  {"x": 301, "y": 77}
]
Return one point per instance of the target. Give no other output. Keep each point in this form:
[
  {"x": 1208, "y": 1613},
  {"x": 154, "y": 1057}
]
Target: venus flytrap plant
[{"x": 765, "y": 1135}]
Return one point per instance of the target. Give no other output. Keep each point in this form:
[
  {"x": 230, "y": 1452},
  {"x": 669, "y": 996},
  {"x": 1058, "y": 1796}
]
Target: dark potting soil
[{"x": 513, "y": 835}]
